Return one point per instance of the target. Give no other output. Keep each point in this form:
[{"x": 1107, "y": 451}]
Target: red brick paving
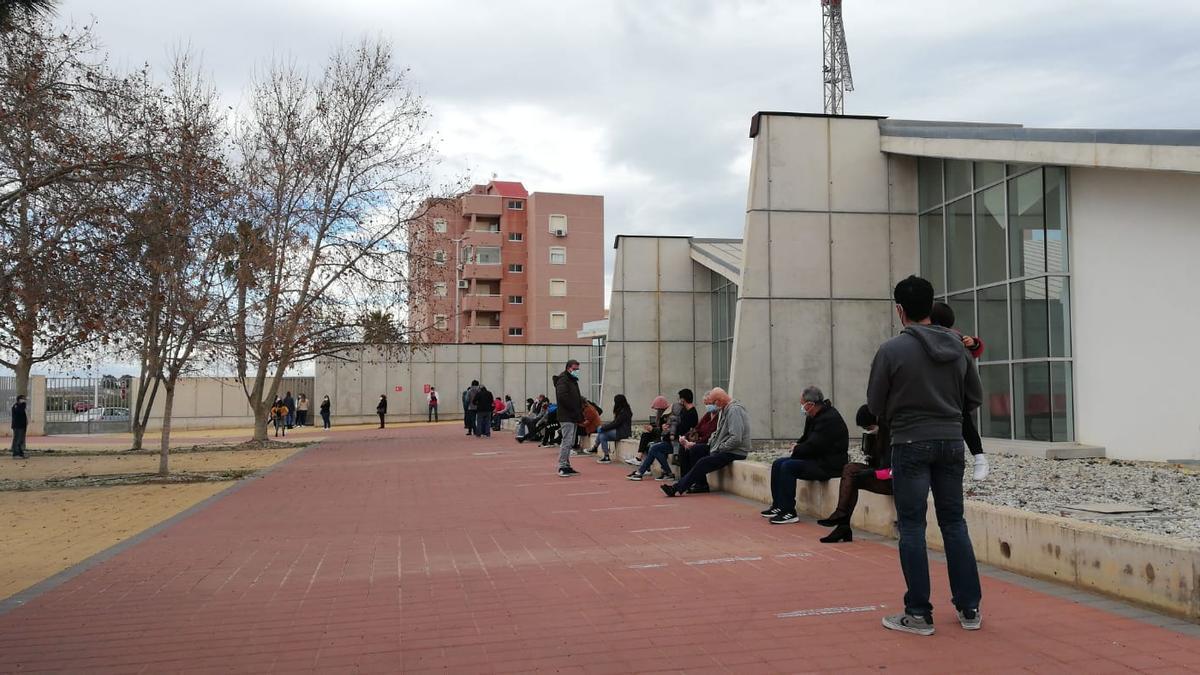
[{"x": 406, "y": 551}]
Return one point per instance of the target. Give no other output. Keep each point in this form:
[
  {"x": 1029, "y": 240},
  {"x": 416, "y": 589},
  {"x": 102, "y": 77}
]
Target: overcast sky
[{"x": 648, "y": 102}]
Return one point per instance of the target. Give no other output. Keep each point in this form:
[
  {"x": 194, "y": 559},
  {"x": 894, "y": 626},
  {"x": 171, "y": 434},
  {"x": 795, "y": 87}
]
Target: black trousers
[
  {"x": 433, "y": 417},
  {"x": 704, "y": 466},
  {"x": 381, "y": 416}
]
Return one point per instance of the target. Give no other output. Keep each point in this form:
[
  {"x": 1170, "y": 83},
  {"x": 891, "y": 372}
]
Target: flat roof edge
[{"x": 756, "y": 120}]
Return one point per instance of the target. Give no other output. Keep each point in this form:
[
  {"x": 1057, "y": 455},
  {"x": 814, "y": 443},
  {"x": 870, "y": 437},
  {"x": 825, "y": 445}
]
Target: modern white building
[{"x": 1073, "y": 253}]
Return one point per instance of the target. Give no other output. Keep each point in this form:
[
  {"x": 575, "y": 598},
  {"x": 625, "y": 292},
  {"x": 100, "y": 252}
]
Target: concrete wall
[
  {"x": 1135, "y": 241},
  {"x": 659, "y": 325},
  {"x": 215, "y": 403},
  {"x": 830, "y": 227},
  {"x": 355, "y": 381},
  {"x": 1158, "y": 572}
]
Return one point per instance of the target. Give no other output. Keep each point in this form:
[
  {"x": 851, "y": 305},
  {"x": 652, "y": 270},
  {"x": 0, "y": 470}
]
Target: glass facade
[
  {"x": 994, "y": 246},
  {"x": 724, "y": 311},
  {"x": 596, "y": 362}
]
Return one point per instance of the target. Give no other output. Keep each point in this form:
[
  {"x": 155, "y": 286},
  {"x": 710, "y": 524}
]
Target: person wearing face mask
[
  {"x": 570, "y": 414},
  {"x": 874, "y": 476},
  {"x": 694, "y": 444},
  {"x": 820, "y": 454},
  {"x": 728, "y": 444}
]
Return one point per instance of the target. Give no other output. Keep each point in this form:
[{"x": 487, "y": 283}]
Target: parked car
[
  {"x": 83, "y": 406},
  {"x": 104, "y": 415}
]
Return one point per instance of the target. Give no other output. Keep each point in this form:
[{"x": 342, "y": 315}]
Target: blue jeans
[
  {"x": 659, "y": 451},
  {"x": 917, "y": 468},
  {"x": 483, "y": 423},
  {"x": 603, "y": 438},
  {"x": 785, "y": 471}
]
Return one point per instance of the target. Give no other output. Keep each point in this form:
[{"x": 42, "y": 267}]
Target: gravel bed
[{"x": 1051, "y": 486}]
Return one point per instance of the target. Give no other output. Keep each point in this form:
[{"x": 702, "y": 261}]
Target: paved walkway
[{"x": 418, "y": 550}]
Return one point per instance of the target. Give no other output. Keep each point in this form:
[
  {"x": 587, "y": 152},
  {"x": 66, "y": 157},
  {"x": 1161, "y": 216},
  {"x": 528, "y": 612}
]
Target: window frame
[
  {"x": 439, "y": 257},
  {"x": 516, "y": 236},
  {"x": 520, "y": 268},
  {"x": 441, "y": 289},
  {"x": 515, "y": 204},
  {"x": 552, "y": 228},
  {"x": 519, "y": 300},
  {"x": 520, "y": 331},
  {"x": 440, "y": 225},
  {"x": 441, "y": 322},
  {"x": 564, "y": 320},
  {"x": 556, "y": 249},
  {"x": 499, "y": 256},
  {"x": 550, "y": 288}
]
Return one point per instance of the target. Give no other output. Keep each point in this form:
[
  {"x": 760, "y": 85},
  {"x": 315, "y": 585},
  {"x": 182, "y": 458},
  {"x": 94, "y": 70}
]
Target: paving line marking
[
  {"x": 486, "y": 454},
  {"x": 646, "y": 566},
  {"x": 661, "y": 529},
  {"x": 825, "y": 611},
  {"x": 719, "y": 561},
  {"x": 794, "y": 555},
  {"x": 584, "y": 494}
]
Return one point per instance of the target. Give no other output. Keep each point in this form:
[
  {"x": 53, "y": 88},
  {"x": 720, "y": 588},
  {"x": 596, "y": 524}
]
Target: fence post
[{"x": 37, "y": 405}]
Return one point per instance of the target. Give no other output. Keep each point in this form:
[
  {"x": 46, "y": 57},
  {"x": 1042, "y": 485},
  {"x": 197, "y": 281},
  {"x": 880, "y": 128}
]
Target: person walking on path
[
  {"x": 570, "y": 414},
  {"x": 291, "y": 409},
  {"x": 302, "y": 411},
  {"x": 432, "y": 399},
  {"x": 943, "y": 315},
  {"x": 325, "y": 412},
  {"x": 381, "y": 409},
  {"x": 20, "y": 423},
  {"x": 468, "y": 401},
  {"x": 484, "y": 403},
  {"x": 921, "y": 383}
]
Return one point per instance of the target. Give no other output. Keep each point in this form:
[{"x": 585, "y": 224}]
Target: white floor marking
[
  {"x": 794, "y": 555},
  {"x": 646, "y": 566},
  {"x": 828, "y": 610},
  {"x": 661, "y": 529},
  {"x": 618, "y": 508},
  {"x": 584, "y": 494},
  {"x": 719, "y": 561},
  {"x": 486, "y": 454}
]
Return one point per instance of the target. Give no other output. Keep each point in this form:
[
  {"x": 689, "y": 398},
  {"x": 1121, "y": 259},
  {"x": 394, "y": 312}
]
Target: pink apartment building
[{"x": 509, "y": 267}]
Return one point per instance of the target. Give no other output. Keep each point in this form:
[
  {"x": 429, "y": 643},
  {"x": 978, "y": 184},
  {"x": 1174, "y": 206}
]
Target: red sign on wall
[
  {"x": 399, "y": 388},
  {"x": 428, "y": 388}
]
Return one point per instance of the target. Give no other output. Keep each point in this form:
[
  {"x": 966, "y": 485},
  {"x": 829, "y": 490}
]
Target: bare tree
[
  {"x": 179, "y": 240},
  {"x": 68, "y": 131},
  {"x": 335, "y": 171}
]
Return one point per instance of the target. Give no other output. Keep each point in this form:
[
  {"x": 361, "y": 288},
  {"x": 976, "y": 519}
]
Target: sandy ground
[{"x": 47, "y": 531}]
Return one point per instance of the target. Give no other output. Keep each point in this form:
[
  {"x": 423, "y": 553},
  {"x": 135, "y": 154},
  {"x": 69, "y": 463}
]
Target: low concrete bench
[{"x": 1158, "y": 572}]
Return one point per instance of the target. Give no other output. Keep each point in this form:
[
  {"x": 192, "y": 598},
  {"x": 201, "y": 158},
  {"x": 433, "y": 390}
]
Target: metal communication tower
[{"x": 838, "y": 79}]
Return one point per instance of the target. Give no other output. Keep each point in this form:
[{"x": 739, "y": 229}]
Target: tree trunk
[
  {"x": 261, "y": 419},
  {"x": 165, "y": 448},
  {"x": 139, "y": 434}
]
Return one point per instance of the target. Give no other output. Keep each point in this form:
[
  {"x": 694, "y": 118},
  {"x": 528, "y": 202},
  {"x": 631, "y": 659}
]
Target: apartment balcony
[
  {"x": 482, "y": 303},
  {"x": 482, "y": 205},
  {"x": 482, "y": 238},
  {"x": 482, "y": 334},
  {"x": 477, "y": 271}
]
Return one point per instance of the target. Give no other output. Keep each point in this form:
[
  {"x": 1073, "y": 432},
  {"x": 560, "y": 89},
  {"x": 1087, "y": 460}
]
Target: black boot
[{"x": 840, "y": 533}]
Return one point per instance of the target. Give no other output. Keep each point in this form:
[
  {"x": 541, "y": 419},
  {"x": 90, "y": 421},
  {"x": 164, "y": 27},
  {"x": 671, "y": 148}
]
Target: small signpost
[{"x": 399, "y": 388}]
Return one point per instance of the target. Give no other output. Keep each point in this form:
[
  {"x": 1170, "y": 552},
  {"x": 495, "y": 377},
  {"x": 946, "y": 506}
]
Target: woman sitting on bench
[{"x": 874, "y": 476}]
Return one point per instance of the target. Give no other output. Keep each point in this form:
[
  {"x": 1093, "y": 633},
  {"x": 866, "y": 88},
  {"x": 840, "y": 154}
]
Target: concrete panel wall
[
  {"x": 830, "y": 226},
  {"x": 355, "y": 381}
]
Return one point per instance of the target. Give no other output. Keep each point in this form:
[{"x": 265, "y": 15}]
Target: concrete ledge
[
  {"x": 1042, "y": 449},
  {"x": 1158, "y": 572}
]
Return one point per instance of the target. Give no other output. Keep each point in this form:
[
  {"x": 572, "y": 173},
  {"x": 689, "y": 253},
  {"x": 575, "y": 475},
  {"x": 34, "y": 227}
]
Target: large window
[
  {"x": 558, "y": 255},
  {"x": 724, "y": 310},
  {"x": 994, "y": 245},
  {"x": 596, "y": 360},
  {"x": 487, "y": 255}
]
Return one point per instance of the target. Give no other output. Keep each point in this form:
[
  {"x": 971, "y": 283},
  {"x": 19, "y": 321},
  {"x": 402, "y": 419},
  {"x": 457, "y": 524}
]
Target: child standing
[{"x": 943, "y": 315}]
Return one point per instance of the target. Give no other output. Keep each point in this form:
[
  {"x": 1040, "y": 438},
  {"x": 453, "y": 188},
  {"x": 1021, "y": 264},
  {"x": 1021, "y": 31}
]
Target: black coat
[
  {"x": 20, "y": 420},
  {"x": 484, "y": 401},
  {"x": 381, "y": 408},
  {"x": 570, "y": 401},
  {"x": 826, "y": 441},
  {"x": 878, "y": 448},
  {"x": 622, "y": 423},
  {"x": 324, "y": 407}
]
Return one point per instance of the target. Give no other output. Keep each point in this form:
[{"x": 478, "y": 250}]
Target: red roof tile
[{"x": 506, "y": 188}]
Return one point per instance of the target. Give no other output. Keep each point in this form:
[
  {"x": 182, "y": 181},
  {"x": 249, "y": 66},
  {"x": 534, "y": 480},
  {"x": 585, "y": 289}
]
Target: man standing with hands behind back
[{"x": 922, "y": 382}]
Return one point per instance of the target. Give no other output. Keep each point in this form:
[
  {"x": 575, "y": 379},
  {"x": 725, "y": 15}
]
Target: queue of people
[{"x": 917, "y": 427}]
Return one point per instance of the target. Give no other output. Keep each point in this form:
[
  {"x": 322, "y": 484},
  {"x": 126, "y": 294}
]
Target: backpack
[{"x": 433, "y": 400}]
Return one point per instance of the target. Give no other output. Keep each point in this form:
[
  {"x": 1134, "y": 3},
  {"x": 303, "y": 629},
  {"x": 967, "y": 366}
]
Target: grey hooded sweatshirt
[{"x": 922, "y": 381}]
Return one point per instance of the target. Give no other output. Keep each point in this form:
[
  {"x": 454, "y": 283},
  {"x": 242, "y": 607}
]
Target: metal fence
[
  {"x": 85, "y": 405},
  {"x": 8, "y": 396}
]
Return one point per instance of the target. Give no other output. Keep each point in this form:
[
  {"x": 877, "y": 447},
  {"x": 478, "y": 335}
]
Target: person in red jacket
[
  {"x": 694, "y": 444},
  {"x": 943, "y": 315}
]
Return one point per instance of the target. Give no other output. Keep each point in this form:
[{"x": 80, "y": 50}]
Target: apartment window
[
  {"x": 516, "y": 205},
  {"x": 439, "y": 225},
  {"x": 516, "y": 332},
  {"x": 516, "y": 269},
  {"x": 516, "y": 300},
  {"x": 439, "y": 257},
  {"x": 558, "y": 223},
  {"x": 516, "y": 236},
  {"x": 558, "y": 288},
  {"x": 487, "y": 255},
  {"x": 439, "y": 289},
  {"x": 439, "y": 322},
  {"x": 558, "y": 320},
  {"x": 558, "y": 255}
]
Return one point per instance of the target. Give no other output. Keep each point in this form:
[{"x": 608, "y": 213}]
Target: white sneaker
[{"x": 981, "y": 467}]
